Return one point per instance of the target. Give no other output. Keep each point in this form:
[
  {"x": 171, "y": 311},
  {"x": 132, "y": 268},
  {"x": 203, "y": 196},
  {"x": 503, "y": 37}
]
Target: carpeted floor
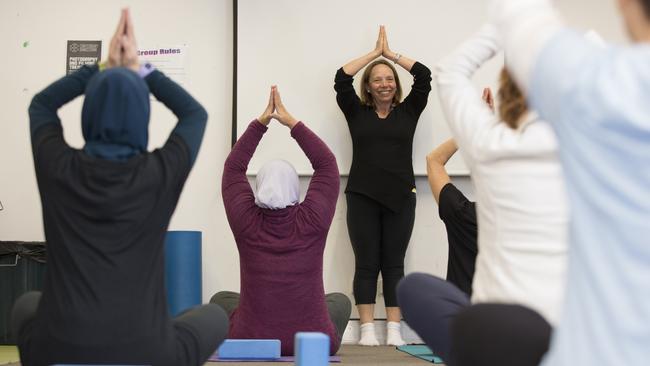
[{"x": 350, "y": 356}]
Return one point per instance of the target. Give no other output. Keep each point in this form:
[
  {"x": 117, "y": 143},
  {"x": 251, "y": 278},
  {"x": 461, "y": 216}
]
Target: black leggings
[
  {"x": 499, "y": 334},
  {"x": 379, "y": 239},
  {"x": 198, "y": 333}
]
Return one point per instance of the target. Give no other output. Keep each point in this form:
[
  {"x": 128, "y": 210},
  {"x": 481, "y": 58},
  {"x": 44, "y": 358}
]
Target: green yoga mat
[
  {"x": 8, "y": 354},
  {"x": 420, "y": 351}
]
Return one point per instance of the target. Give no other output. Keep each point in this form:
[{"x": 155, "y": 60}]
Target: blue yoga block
[
  {"x": 183, "y": 270},
  {"x": 250, "y": 349},
  {"x": 312, "y": 349}
]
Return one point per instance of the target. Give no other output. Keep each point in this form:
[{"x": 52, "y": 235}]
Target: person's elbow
[
  {"x": 435, "y": 165},
  {"x": 202, "y": 115},
  {"x": 433, "y": 160},
  {"x": 444, "y": 75},
  {"x": 37, "y": 104},
  {"x": 39, "y": 113},
  {"x": 331, "y": 162}
]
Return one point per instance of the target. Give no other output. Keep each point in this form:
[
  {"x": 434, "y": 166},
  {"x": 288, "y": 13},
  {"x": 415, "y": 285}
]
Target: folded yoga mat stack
[{"x": 183, "y": 276}]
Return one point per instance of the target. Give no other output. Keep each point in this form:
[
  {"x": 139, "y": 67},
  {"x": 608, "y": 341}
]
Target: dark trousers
[
  {"x": 464, "y": 334},
  {"x": 199, "y": 331},
  {"x": 499, "y": 334},
  {"x": 339, "y": 308},
  {"x": 379, "y": 239}
]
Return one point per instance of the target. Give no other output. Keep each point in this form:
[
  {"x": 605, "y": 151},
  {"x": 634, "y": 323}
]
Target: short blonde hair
[{"x": 366, "y": 97}]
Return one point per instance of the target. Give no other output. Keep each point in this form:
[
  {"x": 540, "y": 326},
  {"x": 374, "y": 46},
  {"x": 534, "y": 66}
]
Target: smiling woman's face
[{"x": 382, "y": 85}]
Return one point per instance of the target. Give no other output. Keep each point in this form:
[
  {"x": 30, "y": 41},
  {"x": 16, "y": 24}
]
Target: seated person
[
  {"x": 459, "y": 215},
  {"x": 281, "y": 240},
  {"x": 522, "y": 214},
  {"x": 106, "y": 209}
]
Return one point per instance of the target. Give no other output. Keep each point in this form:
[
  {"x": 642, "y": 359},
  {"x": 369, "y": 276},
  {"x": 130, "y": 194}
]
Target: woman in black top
[
  {"x": 106, "y": 209},
  {"x": 381, "y": 187},
  {"x": 459, "y": 215}
]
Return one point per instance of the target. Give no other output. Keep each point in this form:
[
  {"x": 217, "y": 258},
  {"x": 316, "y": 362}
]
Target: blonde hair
[
  {"x": 512, "y": 104},
  {"x": 366, "y": 97}
]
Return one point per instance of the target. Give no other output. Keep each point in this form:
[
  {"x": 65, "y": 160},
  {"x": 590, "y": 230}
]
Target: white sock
[
  {"x": 393, "y": 334},
  {"x": 368, "y": 337}
]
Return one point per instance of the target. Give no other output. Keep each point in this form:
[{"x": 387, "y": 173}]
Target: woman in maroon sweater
[{"x": 280, "y": 240}]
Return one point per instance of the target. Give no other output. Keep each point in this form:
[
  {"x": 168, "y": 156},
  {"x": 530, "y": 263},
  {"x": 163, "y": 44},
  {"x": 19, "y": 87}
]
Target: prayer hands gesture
[
  {"x": 381, "y": 46},
  {"x": 122, "y": 50},
  {"x": 276, "y": 110}
]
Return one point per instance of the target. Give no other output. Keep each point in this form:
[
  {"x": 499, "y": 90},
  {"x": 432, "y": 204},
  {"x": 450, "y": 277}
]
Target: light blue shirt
[{"x": 598, "y": 101}]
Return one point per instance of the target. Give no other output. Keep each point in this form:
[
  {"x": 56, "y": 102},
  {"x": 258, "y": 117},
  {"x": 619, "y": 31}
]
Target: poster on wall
[
  {"x": 81, "y": 53},
  {"x": 171, "y": 60}
]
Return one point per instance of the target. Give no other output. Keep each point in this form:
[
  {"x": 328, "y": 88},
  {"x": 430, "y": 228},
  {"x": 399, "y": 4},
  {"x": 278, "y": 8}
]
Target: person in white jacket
[
  {"x": 521, "y": 207},
  {"x": 596, "y": 99}
]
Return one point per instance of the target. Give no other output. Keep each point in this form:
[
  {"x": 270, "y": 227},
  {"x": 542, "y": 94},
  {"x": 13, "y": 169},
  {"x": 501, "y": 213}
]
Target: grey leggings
[{"x": 338, "y": 307}]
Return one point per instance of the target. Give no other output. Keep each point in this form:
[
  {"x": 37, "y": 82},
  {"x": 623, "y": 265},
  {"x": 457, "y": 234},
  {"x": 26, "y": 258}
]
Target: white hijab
[{"x": 277, "y": 185}]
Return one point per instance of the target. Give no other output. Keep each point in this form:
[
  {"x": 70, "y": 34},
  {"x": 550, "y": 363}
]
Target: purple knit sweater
[{"x": 281, "y": 251}]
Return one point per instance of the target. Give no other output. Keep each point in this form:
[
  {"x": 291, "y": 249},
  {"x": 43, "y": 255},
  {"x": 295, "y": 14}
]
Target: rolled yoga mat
[{"x": 183, "y": 270}]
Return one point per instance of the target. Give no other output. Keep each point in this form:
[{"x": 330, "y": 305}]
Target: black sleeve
[
  {"x": 176, "y": 160},
  {"x": 192, "y": 117},
  {"x": 416, "y": 101},
  {"x": 346, "y": 97},
  {"x": 454, "y": 207},
  {"x": 48, "y": 146},
  {"x": 44, "y": 106}
]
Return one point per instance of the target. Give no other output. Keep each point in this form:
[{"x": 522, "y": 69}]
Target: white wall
[
  {"x": 206, "y": 27},
  {"x": 314, "y": 38}
]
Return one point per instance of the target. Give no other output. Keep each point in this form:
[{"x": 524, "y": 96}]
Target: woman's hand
[
  {"x": 281, "y": 114},
  {"x": 379, "y": 45},
  {"x": 129, "y": 47},
  {"x": 386, "y": 52},
  {"x": 265, "y": 118},
  {"x": 115, "y": 46},
  {"x": 488, "y": 99},
  {"x": 354, "y": 66},
  {"x": 122, "y": 50}
]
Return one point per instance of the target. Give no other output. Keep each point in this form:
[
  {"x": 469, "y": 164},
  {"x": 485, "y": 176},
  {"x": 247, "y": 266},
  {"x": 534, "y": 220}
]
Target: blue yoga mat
[
  {"x": 420, "y": 351},
  {"x": 183, "y": 270}
]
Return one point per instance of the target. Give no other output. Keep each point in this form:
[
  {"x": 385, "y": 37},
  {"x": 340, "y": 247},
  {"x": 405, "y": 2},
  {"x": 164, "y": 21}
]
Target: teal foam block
[
  {"x": 312, "y": 349},
  {"x": 420, "y": 351},
  {"x": 249, "y": 349}
]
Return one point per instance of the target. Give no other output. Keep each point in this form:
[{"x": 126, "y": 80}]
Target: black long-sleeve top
[
  {"x": 382, "y": 149},
  {"x": 105, "y": 223}
]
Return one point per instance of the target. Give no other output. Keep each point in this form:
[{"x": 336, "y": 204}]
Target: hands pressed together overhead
[
  {"x": 122, "y": 50},
  {"x": 276, "y": 110},
  {"x": 381, "y": 46}
]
